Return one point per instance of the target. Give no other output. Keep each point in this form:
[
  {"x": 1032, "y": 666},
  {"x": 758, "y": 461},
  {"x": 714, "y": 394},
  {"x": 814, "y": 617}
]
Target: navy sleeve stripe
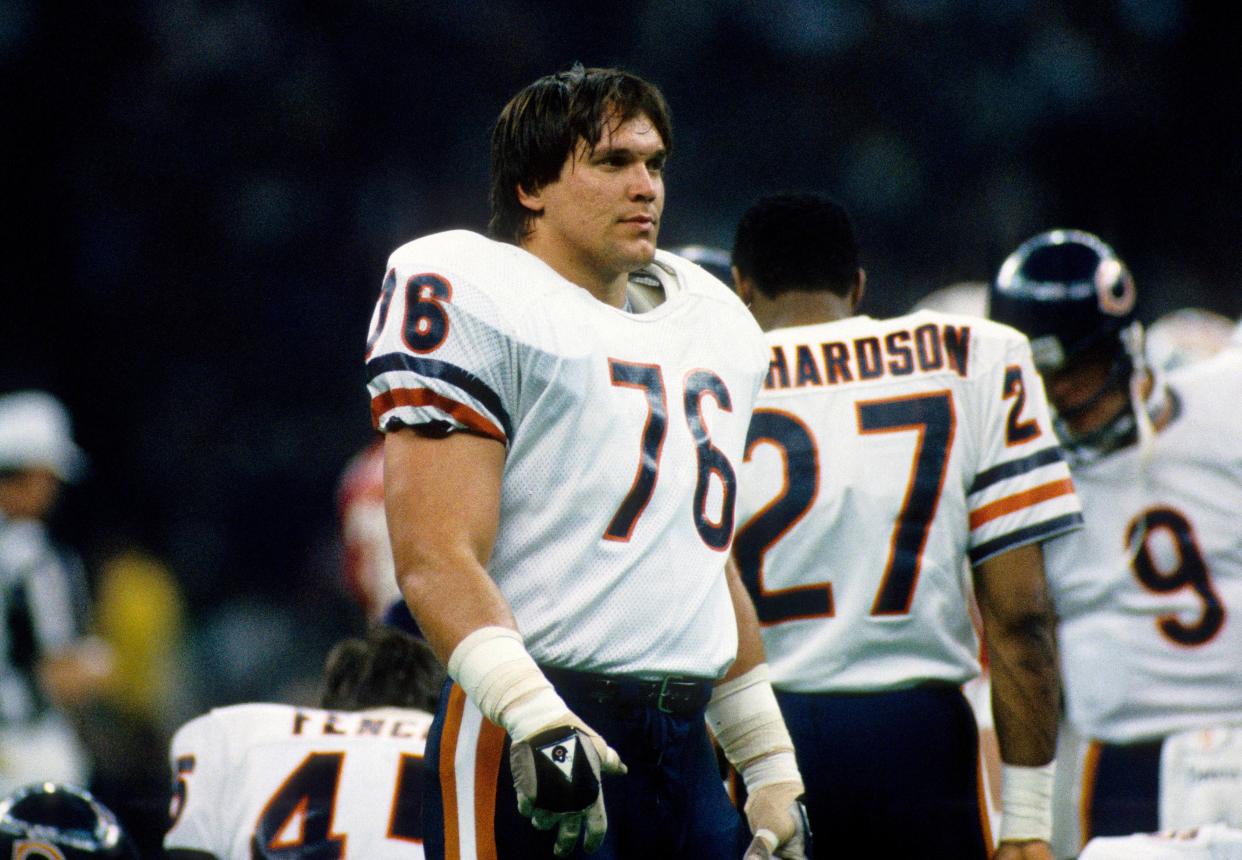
[
  {"x": 1013, "y": 468},
  {"x": 1030, "y": 534},
  {"x": 451, "y": 374}
]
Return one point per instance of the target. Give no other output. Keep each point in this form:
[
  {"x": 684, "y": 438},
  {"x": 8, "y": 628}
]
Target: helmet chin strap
[{"x": 1143, "y": 409}]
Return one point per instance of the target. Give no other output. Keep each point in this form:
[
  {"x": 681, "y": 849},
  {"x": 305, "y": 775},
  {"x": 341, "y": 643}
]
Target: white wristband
[
  {"x": 1026, "y": 802},
  {"x": 746, "y": 719},
  {"x": 500, "y": 677}
]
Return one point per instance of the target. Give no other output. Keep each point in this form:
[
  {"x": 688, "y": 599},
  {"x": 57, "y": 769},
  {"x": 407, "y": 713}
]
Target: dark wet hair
[
  {"x": 540, "y": 127},
  {"x": 788, "y": 242}
]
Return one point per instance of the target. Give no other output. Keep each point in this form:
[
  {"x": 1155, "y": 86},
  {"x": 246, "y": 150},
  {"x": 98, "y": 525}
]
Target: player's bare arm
[
  {"x": 442, "y": 497},
  {"x": 1017, "y": 615},
  {"x": 749, "y": 640},
  {"x": 747, "y": 722},
  {"x": 1017, "y": 623},
  {"x": 443, "y": 500}
]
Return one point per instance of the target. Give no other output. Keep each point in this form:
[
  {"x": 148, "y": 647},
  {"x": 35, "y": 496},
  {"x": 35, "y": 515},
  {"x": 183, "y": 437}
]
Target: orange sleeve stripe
[
  {"x": 1018, "y": 501},
  {"x": 448, "y": 782},
  {"x": 488, "y": 752},
  {"x": 396, "y": 397}
]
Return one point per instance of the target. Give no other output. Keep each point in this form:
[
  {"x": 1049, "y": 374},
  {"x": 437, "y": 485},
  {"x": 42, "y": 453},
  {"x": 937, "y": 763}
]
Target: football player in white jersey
[
  {"x": 1148, "y": 594},
  {"x": 882, "y": 454},
  {"x": 342, "y": 781},
  {"x": 1213, "y": 842},
  {"x": 565, "y": 408}
]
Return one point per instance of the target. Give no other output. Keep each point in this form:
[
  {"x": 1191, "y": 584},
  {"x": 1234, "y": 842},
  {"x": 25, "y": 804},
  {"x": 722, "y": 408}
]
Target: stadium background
[{"x": 202, "y": 196}]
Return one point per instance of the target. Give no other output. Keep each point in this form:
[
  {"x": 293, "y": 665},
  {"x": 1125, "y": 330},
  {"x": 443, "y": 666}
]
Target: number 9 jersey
[
  {"x": 1149, "y": 594},
  {"x": 884, "y": 455},
  {"x": 623, "y": 431}
]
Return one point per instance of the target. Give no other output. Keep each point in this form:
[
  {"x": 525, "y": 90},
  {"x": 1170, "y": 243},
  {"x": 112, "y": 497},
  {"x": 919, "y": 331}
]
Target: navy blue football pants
[
  {"x": 671, "y": 803},
  {"x": 1121, "y": 789},
  {"x": 890, "y": 774}
]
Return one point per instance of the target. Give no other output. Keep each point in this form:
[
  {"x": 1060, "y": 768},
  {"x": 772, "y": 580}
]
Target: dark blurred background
[{"x": 203, "y": 194}]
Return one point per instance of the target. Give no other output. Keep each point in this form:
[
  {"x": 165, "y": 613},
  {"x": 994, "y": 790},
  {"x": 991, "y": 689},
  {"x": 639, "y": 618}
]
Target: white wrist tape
[
  {"x": 747, "y": 722},
  {"x": 1026, "y": 802},
  {"x": 500, "y": 677}
]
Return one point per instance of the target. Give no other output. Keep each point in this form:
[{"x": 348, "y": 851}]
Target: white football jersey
[
  {"x": 1150, "y": 592},
  {"x": 882, "y": 453},
  {"x": 623, "y": 434},
  {"x": 285, "y": 779},
  {"x": 1214, "y": 842}
]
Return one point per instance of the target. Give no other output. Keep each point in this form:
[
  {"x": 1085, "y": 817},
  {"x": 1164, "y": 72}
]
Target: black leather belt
[{"x": 672, "y": 695}]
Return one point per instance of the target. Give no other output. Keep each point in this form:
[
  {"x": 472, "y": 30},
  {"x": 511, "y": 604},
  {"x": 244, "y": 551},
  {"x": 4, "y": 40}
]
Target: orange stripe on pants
[
  {"x": 448, "y": 780},
  {"x": 490, "y": 748}
]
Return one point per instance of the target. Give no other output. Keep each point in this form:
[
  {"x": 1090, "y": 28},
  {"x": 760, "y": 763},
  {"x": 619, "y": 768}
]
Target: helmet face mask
[{"x": 1075, "y": 299}]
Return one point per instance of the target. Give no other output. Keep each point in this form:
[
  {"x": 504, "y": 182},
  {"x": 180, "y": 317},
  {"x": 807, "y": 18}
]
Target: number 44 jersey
[
  {"x": 622, "y": 432},
  {"x": 884, "y": 455},
  {"x": 1150, "y": 592},
  {"x": 275, "y": 781}
]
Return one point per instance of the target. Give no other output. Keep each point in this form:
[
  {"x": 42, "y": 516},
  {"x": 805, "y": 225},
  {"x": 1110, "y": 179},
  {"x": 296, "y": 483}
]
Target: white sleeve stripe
[
  {"x": 1027, "y": 498},
  {"x": 1014, "y": 468}
]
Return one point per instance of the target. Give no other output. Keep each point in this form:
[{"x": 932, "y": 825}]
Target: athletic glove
[
  {"x": 747, "y": 722},
  {"x": 557, "y": 759},
  {"x": 768, "y": 811}
]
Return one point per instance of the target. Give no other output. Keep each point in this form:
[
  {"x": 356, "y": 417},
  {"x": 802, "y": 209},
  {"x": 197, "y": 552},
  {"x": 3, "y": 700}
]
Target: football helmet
[
  {"x": 55, "y": 821},
  {"x": 716, "y": 260},
  {"x": 1068, "y": 292},
  {"x": 1075, "y": 299}
]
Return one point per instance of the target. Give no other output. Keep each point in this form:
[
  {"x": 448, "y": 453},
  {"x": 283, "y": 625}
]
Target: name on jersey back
[
  {"x": 927, "y": 348},
  {"x": 359, "y": 725}
]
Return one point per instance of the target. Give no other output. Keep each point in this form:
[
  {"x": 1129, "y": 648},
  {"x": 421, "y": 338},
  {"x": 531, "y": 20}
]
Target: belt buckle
[{"x": 672, "y": 689}]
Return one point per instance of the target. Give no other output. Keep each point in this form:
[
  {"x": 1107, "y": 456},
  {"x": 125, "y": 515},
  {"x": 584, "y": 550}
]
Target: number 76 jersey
[
  {"x": 622, "y": 434},
  {"x": 883, "y": 457}
]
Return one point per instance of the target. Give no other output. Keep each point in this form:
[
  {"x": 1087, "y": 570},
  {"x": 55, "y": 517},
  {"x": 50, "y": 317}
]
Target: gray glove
[{"x": 556, "y": 774}]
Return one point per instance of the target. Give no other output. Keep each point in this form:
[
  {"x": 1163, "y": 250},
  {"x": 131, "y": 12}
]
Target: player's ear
[
  {"x": 532, "y": 200},
  {"x": 742, "y": 286},
  {"x": 860, "y": 287}
]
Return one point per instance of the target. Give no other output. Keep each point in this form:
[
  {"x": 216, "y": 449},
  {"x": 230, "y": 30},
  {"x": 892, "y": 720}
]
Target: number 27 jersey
[{"x": 882, "y": 456}]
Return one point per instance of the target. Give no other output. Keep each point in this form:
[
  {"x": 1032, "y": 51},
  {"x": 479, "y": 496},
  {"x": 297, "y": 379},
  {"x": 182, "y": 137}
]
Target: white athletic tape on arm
[
  {"x": 500, "y": 677},
  {"x": 1026, "y": 802},
  {"x": 746, "y": 719}
]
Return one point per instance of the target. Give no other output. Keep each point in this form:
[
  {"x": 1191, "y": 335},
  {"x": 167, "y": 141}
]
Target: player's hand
[
  {"x": 1031, "y": 849},
  {"x": 556, "y": 773},
  {"x": 778, "y": 819}
]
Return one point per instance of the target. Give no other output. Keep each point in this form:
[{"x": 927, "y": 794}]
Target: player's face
[
  {"x": 599, "y": 220},
  {"x": 1083, "y": 394}
]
